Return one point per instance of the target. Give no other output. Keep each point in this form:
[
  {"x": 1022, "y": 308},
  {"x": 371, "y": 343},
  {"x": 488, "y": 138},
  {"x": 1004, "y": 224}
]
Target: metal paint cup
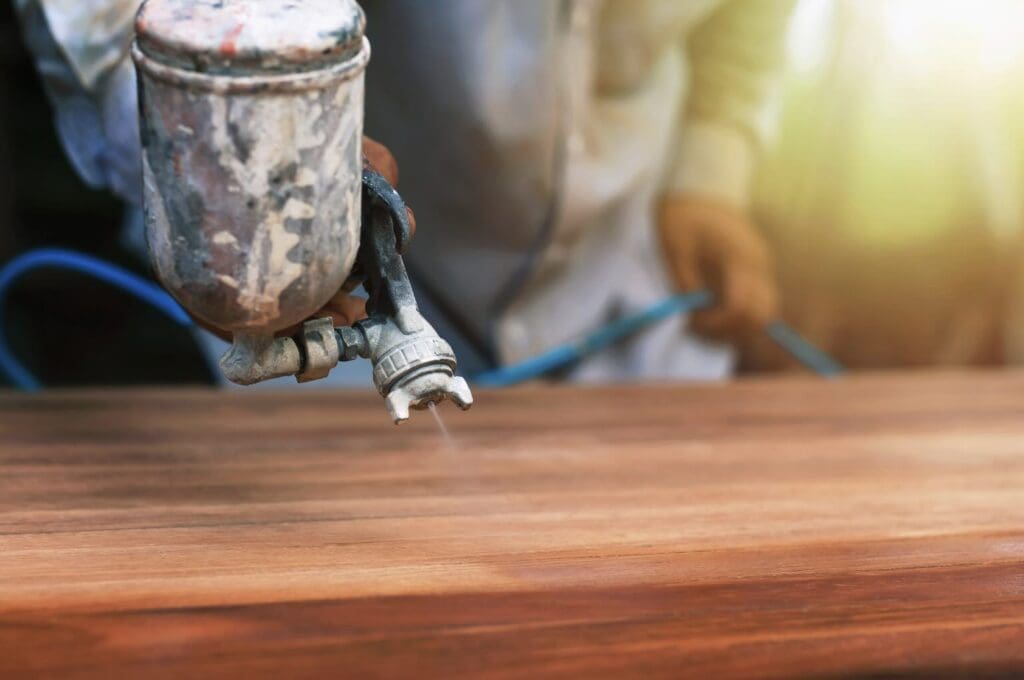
[{"x": 252, "y": 120}]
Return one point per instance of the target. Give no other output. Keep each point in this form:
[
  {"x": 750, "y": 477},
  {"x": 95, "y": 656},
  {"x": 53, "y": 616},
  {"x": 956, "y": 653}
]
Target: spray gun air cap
[{"x": 413, "y": 367}]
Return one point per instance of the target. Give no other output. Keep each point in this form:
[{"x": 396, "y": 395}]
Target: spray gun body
[{"x": 258, "y": 208}]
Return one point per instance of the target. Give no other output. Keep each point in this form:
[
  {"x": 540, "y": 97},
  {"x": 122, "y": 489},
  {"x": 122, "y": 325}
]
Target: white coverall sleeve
[
  {"x": 81, "y": 48},
  {"x": 734, "y": 59}
]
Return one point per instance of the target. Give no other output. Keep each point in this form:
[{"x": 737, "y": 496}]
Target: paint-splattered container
[{"x": 252, "y": 117}]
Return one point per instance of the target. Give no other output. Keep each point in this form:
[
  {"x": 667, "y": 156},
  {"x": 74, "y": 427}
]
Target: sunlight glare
[{"x": 936, "y": 35}]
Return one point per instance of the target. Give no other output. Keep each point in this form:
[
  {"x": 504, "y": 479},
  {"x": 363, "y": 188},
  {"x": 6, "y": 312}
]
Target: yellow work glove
[{"x": 709, "y": 244}]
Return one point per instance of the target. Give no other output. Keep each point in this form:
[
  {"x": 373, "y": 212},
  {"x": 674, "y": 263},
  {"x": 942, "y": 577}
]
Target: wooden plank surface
[{"x": 778, "y": 528}]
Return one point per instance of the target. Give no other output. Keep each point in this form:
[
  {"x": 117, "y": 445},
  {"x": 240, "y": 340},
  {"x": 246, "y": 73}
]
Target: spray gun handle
[
  {"x": 386, "y": 233},
  {"x": 413, "y": 366}
]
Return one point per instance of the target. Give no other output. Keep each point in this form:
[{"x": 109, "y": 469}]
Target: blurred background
[{"x": 891, "y": 193}]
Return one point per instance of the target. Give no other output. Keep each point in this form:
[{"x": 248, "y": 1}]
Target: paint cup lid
[{"x": 247, "y": 37}]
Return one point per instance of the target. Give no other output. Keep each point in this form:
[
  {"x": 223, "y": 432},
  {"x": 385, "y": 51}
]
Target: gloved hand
[
  {"x": 709, "y": 244},
  {"x": 344, "y": 308}
]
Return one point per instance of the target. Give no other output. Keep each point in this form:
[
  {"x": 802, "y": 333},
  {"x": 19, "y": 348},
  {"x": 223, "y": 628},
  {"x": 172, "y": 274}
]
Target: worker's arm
[
  {"x": 81, "y": 51},
  {"x": 706, "y": 234}
]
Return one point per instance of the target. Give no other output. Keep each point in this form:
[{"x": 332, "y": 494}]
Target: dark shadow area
[{"x": 67, "y": 329}]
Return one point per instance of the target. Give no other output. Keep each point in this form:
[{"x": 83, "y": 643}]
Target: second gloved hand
[{"x": 709, "y": 244}]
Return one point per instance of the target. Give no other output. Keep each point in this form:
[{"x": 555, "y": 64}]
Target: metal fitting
[
  {"x": 352, "y": 343},
  {"x": 255, "y": 358},
  {"x": 320, "y": 349}
]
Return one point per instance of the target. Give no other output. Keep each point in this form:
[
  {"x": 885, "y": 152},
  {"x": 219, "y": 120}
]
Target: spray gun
[{"x": 259, "y": 206}]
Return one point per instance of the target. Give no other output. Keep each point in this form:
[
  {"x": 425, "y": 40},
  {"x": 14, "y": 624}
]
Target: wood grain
[{"x": 781, "y": 528}]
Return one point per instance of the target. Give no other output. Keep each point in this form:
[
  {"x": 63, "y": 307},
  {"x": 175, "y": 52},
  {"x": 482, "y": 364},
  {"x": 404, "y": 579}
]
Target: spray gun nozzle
[
  {"x": 413, "y": 367},
  {"x": 426, "y": 391}
]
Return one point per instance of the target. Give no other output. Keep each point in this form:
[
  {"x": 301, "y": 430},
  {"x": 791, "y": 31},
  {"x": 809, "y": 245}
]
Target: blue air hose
[
  {"x": 606, "y": 336},
  {"x": 536, "y": 367},
  {"x": 66, "y": 259},
  {"x": 568, "y": 354},
  {"x": 801, "y": 349}
]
